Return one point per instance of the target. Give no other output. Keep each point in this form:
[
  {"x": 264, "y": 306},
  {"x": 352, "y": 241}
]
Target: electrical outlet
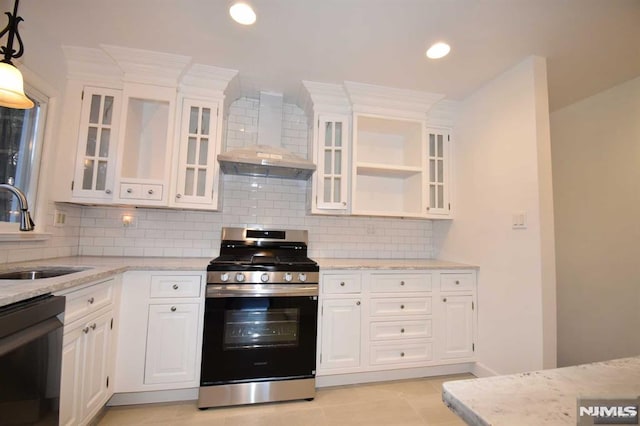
[{"x": 59, "y": 218}]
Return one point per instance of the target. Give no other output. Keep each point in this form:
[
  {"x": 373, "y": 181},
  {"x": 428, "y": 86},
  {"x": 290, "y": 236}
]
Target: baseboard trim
[
  {"x": 151, "y": 397},
  {"x": 481, "y": 370}
]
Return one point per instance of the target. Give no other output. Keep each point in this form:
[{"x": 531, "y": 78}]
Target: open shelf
[
  {"x": 388, "y": 196},
  {"x": 384, "y": 170}
]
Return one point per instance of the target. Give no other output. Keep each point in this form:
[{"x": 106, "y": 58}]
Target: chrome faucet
[{"x": 26, "y": 224}]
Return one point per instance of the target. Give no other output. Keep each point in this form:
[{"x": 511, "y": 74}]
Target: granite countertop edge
[{"x": 103, "y": 267}]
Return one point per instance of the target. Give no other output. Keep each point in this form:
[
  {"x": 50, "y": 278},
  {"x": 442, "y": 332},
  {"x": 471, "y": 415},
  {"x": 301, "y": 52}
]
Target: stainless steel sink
[{"x": 37, "y": 273}]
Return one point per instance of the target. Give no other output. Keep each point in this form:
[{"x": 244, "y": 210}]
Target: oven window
[{"x": 258, "y": 326}]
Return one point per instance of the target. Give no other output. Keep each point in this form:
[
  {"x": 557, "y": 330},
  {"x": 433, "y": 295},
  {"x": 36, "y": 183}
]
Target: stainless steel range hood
[{"x": 267, "y": 158}]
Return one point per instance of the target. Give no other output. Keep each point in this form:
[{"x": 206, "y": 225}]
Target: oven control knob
[
  {"x": 302, "y": 277},
  {"x": 224, "y": 277},
  {"x": 240, "y": 277},
  {"x": 264, "y": 277},
  {"x": 288, "y": 277}
]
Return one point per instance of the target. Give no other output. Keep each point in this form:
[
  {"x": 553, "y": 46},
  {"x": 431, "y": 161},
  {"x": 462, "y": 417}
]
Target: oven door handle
[{"x": 261, "y": 290}]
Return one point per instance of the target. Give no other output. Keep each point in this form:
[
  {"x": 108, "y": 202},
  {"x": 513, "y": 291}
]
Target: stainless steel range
[{"x": 260, "y": 320}]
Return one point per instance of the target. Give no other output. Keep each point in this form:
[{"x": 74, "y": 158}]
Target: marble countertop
[
  {"x": 103, "y": 267},
  {"x": 546, "y": 397}
]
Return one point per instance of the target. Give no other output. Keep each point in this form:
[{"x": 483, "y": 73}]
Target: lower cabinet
[
  {"x": 385, "y": 321},
  {"x": 160, "y": 341},
  {"x": 87, "y": 354}
]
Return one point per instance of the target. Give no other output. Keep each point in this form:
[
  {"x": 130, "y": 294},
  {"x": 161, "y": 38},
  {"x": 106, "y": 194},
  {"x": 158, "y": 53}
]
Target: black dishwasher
[{"x": 30, "y": 361}]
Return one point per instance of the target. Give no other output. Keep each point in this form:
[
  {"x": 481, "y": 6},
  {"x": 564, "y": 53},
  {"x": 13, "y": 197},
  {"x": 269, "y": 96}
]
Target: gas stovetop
[{"x": 262, "y": 256}]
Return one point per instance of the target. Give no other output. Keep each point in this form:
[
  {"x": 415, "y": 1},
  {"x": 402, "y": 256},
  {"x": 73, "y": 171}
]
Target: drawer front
[
  {"x": 401, "y": 353},
  {"x": 385, "y": 283},
  {"x": 401, "y": 306},
  {"x": 385, "y": 330},
  {"x": 456, "y": 282},
  {"x": 175, "y": 286},
  {"x": 83, "y": 302},
  {"x": 152, "y": 192},
  {"x": 341, "y": 283}
]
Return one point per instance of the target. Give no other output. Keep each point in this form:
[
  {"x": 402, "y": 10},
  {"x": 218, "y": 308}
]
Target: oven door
[{"x": 251, "y": 337}]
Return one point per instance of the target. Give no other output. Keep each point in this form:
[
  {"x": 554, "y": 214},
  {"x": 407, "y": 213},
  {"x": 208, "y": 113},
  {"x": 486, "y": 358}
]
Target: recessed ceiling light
[
  {"x": 438, "y": 50},
  {"x": 242, "y": 13}
]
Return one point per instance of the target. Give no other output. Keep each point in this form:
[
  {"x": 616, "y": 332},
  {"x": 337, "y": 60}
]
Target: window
[{"x": 21, "y": 133}]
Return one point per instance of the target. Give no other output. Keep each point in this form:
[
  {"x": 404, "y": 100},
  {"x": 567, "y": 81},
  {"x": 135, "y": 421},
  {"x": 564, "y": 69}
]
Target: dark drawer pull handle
[
  {"x": 444, "y": 299},
  {"x": 401, "y": 282},
  {"x": 358, "y": 303},
  {"x": 402, "y": 354},
  {"x": 457, "y": 282},
  {"x": 342, "y": 284},
  {"x": 175, "y": 286},
  {"x": 91, "y": 300},
  {"x": 401, "y": 306},
  {"x": 402, "y": 330},
  {"x": 173, "y": 309}
]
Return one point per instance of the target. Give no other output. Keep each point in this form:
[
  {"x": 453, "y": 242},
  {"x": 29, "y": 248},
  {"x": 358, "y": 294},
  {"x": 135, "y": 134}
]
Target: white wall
[
  {"x": 596, "y": 170},
  {"x": 502, "y": 167}
]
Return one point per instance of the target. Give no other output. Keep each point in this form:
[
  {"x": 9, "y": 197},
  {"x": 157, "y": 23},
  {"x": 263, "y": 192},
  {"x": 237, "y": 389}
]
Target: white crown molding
[
  {"x": 206, "y": 80},
  {"x": 326, "y": 98},
  {"x": 148, "y": 67},
  {"x": 90, "y": 64},
  {"x": 372, "y": 99},
  {"x": 443, "y": 114}
]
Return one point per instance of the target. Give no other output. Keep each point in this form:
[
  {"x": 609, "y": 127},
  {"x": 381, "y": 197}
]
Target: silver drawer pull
[
  {"x": 173, "y": 309},
  {"x": 342, "y": 284},
  {"x": 91, "y": 300},
  {"x": 401, "y": 282},
  {"x": 175, "y": 286}
]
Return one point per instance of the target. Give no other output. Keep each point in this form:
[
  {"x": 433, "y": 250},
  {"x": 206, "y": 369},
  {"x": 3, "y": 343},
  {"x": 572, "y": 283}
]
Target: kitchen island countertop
[{"x": 546, "y": 397}]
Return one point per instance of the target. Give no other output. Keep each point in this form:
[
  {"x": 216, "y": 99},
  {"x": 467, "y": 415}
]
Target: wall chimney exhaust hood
[{"x": 268, "y": 158}]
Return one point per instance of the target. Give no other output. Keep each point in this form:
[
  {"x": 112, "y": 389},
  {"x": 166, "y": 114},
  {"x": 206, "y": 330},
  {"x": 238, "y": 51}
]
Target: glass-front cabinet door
[
  {"x": 95, "y": 165},
  {"x": 438, "y": 141},
  {"x": 197, "y": 169},
  {"x": 332, "y": 163}
]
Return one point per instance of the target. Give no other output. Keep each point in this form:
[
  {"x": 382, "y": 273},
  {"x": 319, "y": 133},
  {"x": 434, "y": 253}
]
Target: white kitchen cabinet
[
  {"x": 457, "y": 325},
  {"x": 145, "y": 144},
  {"x": 196, "y": 184},
  {"x": 171, "y": 343},
  {"x": 87, "y": 353},
  {"x": 438, "y": 177},
  {"x": 388, "y": 167},
  {"x": 341, "y": 330},
  {"x": 159, "y": 348},
  {"x": 394, "y": 324},
  {"x": 332, "y": 158},
  {"x": 94, "y": 178}
]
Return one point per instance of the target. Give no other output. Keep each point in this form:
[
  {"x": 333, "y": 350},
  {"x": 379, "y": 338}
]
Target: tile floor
[{"x": 406, "y": 403}]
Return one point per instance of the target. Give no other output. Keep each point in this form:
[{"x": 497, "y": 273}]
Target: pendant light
[{"x": 11, "y": 82}]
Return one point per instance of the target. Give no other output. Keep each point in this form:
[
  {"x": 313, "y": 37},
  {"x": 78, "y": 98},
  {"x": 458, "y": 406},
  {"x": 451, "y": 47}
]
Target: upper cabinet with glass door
[
  {"x": 197, "y": 169},
  {"x": 333, "y": 163},
  {"x": 98, "y": 137},
  {"x": 438, "y": 185}
]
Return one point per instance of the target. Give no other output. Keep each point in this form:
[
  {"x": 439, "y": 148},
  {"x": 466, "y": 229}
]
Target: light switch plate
[{"x": 519, "y": 220}]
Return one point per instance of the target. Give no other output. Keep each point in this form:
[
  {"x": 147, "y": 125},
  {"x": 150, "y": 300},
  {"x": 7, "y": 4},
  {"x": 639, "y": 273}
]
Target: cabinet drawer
[
  {"x": 420, "y": 329},
  {"x": 342, "y": 283},
  {"x": 136, "y": 191},
  {"x": 401, "y": 353},
  {"x": 401, "y": 306},
  {"x": 456, "y": 282},
  {"x": 381, "y": 283},
  {"x": 83, "y": 302},
  {"x": 175, "y": 286}
]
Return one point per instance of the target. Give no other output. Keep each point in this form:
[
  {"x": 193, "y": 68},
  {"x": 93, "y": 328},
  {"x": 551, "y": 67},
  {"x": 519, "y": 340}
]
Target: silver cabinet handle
[
  {"x": 93, "y": 326},
  {"x": 358, "y": 303},
  {"x": 85, "y": 330},
  {"x": 173, "y": 309},
  {"x": 150, "y": 192},
  {"x": 129, "y": 190},
  {"x": 175, "y": 286},
  {"x": 342, "y": 284},
  {"x": 108, "y": 191},
  {"x": 91, "y": 300}
]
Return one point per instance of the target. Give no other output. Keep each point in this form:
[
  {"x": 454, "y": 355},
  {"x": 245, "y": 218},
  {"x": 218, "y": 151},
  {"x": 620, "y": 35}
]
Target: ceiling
[{"x": 590, "y": 45}]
